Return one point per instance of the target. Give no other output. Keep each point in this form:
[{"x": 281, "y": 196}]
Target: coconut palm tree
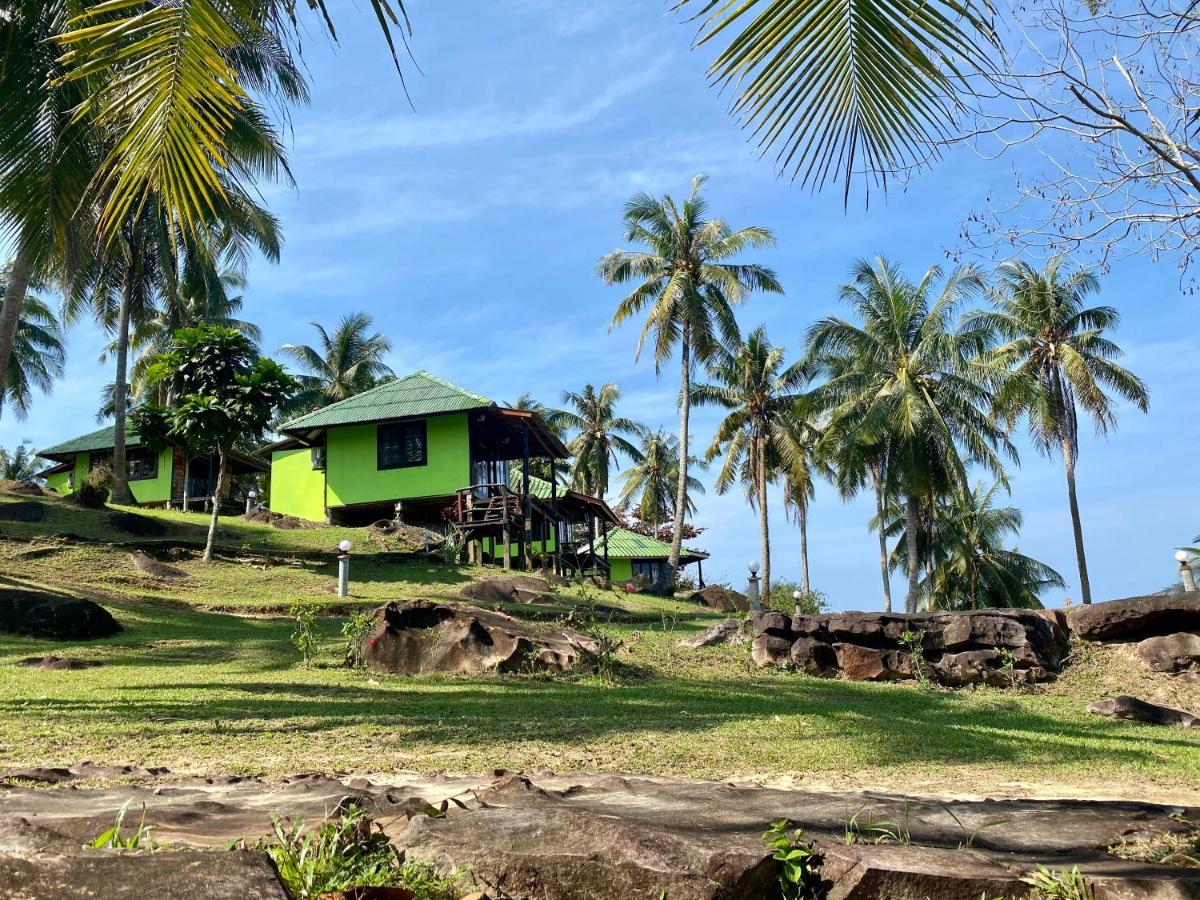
[
  {"x": 648, "y": 486},
  {"x": 905, "y": 375},
  {"x": 965, "y": 559},
  {"x": 687, "y": 285},
  {"x": 38, "y": 354},
  {"x": 758, "y": 436},
  {"x": 807, "y": 462},
  {"x": 602, "y": 436},
  {"x": 1063, "y": 363},
  {"x": 545, "y": 469},
  {"x": 20, "y": 465},
  {"x": 346, "y": 362}
]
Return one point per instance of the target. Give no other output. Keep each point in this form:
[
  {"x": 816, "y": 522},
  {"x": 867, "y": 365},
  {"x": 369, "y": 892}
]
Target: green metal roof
[
  {"x": 100, "y": 439},
  {"x": 538, "y": 487},
  {"x": 626, "y": 544},
  {"x": 418, "y": 394}
]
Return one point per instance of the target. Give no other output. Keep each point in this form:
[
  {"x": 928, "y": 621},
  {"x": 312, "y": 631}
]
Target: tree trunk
[
  {"x": 187, "y": 470},
  {"x": 120, "y": 491},
  {"x": 760, "y": 451},
  {"x": 877, "y": 477},
  {"x": 1085, "y": 586},
  {"x": 685, "y": 405},
  {"x": 216, "y": 507},
  {"x": 912, "y": 517},
  {"x": 802, "y": 517},
  {"x": 10, "y": 313}
]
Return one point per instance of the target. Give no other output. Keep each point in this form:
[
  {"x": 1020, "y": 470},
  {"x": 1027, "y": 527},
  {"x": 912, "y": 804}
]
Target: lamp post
[
  {"x": 752, "y": 589},
  {"x": 250, "y": 498},
  {"x": 1186, "y": 575},
  {"x": 344, "y": 569},
  {"x": 796, "y": 595}
]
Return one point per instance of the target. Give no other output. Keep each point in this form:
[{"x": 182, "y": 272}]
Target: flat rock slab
[
  {"x": 722, "y": 599},
  {"x": 594, "y": 836},
  {"x": 41, "y": 615},
  {"x": 148, "y": 565},
  {"x": 1135, "y": 710},
  {"x": 1171, "y": 653},
  {"x": 132, "y": 523},
  {"x": 509, "y": 589},
  {"x": 22, "y": 511},
  {"x": 1136, "y": 618},
  {"x": 58, "y": 663}
]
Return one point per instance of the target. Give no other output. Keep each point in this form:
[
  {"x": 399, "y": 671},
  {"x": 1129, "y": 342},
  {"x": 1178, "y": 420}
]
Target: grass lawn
[{"x": 198, "y": 690}]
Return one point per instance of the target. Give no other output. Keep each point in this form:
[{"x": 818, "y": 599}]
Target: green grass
[{"x": 202, "y": 691}]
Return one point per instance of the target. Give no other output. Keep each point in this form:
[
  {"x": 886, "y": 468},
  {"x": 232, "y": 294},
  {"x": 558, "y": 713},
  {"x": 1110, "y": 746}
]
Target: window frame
[
  {"x": 135, "y": 453},
  {"x": 420, "y": 425}
]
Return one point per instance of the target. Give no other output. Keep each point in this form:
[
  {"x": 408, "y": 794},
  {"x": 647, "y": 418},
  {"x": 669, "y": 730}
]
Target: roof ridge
[{"x": 452, "y": 386}]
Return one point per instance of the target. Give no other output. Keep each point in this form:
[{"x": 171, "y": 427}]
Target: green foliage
[
  {"x": 346, "y": 362},
  {"x": 914, "y": 642},
  {"x": 347, "y": 852},
  {"x": 863, "y": 828},
  {"x": 94, "y": 491},
  {"x": 304, "y": 635},
  {"x": 39, "y": 352},
  {"x": 354, "y": 629},
  {"x": 601, "y": 435},
  {"x": 113, "y": 839},
  {"x": 800, "y": 863},
  {"x": 20, "y": 465},
  {"x": 811, "y": 603},
  {"x": 1049, "y": 884},
  {"x": 648, "y": 486}
]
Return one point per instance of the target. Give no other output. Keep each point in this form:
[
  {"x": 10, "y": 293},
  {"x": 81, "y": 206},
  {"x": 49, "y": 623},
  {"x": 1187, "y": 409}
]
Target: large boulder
[
  {"x": 132, "y": 523},
  {"x": 22, "y": 511},
  {"x": 509, "y": 589},
  {"x": 869, "y": 664},
  {"x": 1171, "y": 653},
  {"x": 37, "y": 614},
  {"x": 148, "y": 565},
  {"x": 813, "y": 657},
  {"x": 1135, "y": 710},
  {"x": 1136, "y": 618},
  {"x": 727, "y": 631},
  {"x": 721, "y": 599},
  {"x": 422, "y": 637}
]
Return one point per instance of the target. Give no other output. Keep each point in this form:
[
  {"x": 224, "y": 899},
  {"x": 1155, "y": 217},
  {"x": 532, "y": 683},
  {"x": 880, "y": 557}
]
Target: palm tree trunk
[
  {"x": 877, "y": 478},
  {"x": 912, "y": 518},
  {"x": 216, "y": 507},
  {"x": 10, "y": 312},
  {"x": 187, "y": 469},
  {"x": 802, "y": 518},
  {"x": 763, "y": 524},
  {"x": 120, "y": 491},
  {"x": 685, "y": 405},
  {"x": 1085, "y": 585}
]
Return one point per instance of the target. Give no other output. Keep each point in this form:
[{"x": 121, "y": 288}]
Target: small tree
[{"x": 225, "y": 396}]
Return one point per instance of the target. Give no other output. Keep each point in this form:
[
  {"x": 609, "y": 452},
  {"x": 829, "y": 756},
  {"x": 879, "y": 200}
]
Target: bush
[
  {"x": 811, "y": 603},
  {"x": 94, "y": 491}
]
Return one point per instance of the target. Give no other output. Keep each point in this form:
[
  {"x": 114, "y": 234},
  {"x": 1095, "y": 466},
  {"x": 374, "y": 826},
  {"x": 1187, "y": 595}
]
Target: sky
[{"x": 469, "y": 221}]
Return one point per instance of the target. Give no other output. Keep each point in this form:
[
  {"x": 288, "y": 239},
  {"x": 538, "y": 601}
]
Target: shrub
[
  {"x": 94, "y": 491},
  {"x": 354, "y": 629},
  {"x": 811, "y": 603},
  {"x": 304, "y": 637},
  {"x": 799, "y": 862}
]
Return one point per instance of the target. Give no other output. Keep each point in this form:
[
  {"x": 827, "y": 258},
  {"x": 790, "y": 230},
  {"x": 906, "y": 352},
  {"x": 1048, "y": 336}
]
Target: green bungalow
[
  {"x": 636, "y": 558},
  {"x": 165, "y": 478},
  {"x": 427, "y": 452}
]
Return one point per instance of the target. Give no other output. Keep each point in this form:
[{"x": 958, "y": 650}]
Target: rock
[
  {"x": 727, "y": 631},
  {"x": 132, "y": 523},
  {"x": 24, "y": 488},
  {"x": 35, "y": 614},
  {"x": 1136, "y": 618},
  {"x": 868, "y": 664},
  {"x": 57, "y": 663},
  {"x": 260, "y": 516},
  {"x": 1133, "y": 709},
  {"x": 773, "y": 623},
  {"x": 422, "y": 637},
  {"x": 722, "y": 599},
  {"x": 1171, "y": 653},
  {"x": 22, "y": 511},
  {"x": 769, "y": 650},
  {"x": 148, "y": 565},
  {"x": 509, "y": 589},
  {"x": 289, "y": 523},
  {"x": 813, "y": 657}
]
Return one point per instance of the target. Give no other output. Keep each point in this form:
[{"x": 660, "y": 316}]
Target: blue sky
[{"x": 469, "y": 225}]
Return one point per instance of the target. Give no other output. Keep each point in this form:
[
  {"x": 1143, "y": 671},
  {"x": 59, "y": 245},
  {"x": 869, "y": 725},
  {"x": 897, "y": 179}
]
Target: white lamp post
[
  {"x": 796, "y": 595},
  {"x": 752, "y": 590},
  {"x": 1186, "y": 575},
  {"x": 250, "y": 498},
  {"x": 344, "y": 568}
]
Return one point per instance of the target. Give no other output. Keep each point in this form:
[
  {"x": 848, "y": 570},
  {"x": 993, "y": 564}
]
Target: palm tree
[
  {"x": 38, "y": 352},
  {"x": 848, "y": 86},
  {"x": 346, "y": 362},
  {"x": 1062, "y": 363},
  {"x": 687, "y": 286},
  {"x": 602, "y": 435},
  {"x": 20, "y": 465},
  {"x": 904, "y": 375},
  {"x": 758, "y": 437},
  {"x": 964, "y": 555},
  {"x": 545, "y": 469},
  {"x": 648, "y": 486},
  {"x": 807, "y": 462}
]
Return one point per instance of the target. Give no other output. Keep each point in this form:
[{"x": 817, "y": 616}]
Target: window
[
  {"x": 651, "y": 570},
  {"x": 402, "y": 445},
  {"x": 142, "y": 465},
  {"x": 318, "y": 458},
  {"x": 98, "y": 460}
]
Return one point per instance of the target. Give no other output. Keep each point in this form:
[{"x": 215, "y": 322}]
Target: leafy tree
[
  {"x": 224, "y": 398},
  {"x": 757, "y": 436},
  {"x": 648, "y": 486},
  {"x": 347, "y": 362},
  {"x": 1063, "y": 362},
  {"x": 965, "y": 559},
  {"x": 38, "y": 352},
  {"x": 687, "y": 286},
  {"x": 601, "y": 435},
  {"x": 904, "y": 375},
  {"x": 20, "y": 465}
]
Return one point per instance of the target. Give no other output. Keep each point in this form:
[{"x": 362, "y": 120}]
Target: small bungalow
[
  {"x": 635, "y": 558},
  {"x": 164, "y": 478},
  {"x": 426, "y": 452}
]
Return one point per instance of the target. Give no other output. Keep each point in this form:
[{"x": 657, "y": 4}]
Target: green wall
[
  {"x": 622, "y": 570},
  {"x": 58, "y": 482},
  {"x": 149, "y": 490},
  {"x": 296, "y": 488},
  {"x": 352, "y": 473}
]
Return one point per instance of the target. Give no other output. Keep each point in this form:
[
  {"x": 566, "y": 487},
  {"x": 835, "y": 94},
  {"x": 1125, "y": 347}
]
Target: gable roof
[
  {"x": 418, "y": 394},
  {"x": 626, "y": 544},
  {"x": 100, "y": 439}
]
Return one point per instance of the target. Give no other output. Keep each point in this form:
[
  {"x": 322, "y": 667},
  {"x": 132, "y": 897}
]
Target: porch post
[
  {"x": 526, "y": 503},
  {"x": 555, "y": 561},
  {"x": 604, "y": 537},
  {"x": 700, "y": 572}
]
